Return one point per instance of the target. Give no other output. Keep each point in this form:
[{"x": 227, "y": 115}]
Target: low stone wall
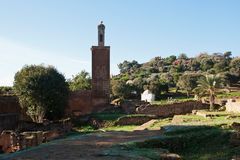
[
  {"x": 233, "y": 106},
  {"x": 129, "y": 106},
  {"x": 133, "y": 120},
  {"x": 170, "y": 110}
]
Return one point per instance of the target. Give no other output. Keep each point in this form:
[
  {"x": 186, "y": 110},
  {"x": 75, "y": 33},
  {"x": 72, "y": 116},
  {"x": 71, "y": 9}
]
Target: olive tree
[{"x": 42, "y": 91}]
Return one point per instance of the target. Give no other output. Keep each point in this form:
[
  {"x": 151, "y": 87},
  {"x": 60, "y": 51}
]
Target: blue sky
[{"x": 61, "y": 32}]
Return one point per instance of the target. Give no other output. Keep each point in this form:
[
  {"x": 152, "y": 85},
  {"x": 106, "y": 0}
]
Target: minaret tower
[
  {"x": 101, "y": 34},
  {"x": 100, "y": 71}
]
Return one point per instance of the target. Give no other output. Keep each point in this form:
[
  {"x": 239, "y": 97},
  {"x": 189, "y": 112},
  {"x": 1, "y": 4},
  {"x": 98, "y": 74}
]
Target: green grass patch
[
  {"x": 229, "y": 95},
  {"x": 159, "y": 123},
  {"x": 120, "y": 128},
  {"x": 107, "y": 116},
  {"x": 171, "y": 101},
  {"x": 84, "y": 129},
  {"x": 194, "y": 142}
]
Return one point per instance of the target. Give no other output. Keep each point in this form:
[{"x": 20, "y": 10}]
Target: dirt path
[
  {"x": 145, "y": 125},
  {"x": 84, "y": 147}
]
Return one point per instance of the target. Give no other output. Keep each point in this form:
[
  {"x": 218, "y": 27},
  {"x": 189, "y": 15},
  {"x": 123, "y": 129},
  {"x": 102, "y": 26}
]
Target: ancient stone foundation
[{"x": 33, "y": 135}]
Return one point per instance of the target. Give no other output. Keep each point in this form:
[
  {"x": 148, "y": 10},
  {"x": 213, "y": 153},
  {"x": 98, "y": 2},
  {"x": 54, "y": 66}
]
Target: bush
[{"x": 42, "y": 92}]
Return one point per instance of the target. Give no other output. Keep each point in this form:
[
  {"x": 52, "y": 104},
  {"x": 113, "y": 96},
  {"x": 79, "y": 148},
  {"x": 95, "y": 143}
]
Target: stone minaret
[
  {"x": 100, "y": 71},
  {"x": 101, "y": 34}
]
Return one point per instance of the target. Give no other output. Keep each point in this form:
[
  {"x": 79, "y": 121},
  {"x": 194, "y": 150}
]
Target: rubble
[{"x": 12, "y": 141}]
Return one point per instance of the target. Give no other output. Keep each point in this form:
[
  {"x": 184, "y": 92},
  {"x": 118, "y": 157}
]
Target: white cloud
[{"x": 14, "y": 55}]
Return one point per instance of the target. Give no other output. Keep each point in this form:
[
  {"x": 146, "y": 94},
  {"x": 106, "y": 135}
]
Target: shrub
[{"x": 42, "y": 91}]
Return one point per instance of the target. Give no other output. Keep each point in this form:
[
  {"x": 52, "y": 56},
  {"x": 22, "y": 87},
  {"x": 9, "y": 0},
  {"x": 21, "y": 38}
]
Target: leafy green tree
[
  {"x": 128, "y": 66},
  {"x": 156, "y": 86},
  {"x": 42, "y": 92},
  {"x": 194, "y": 65},
  {"x": 167, "y": 78},
  {"x": 235, "y": 65},
  {"x": 188, "y": 82},
  {"x": 231, "y": 78},
  {"x": 228, "y": 57},
  {"x": 182, "y": 56},
  {"x": 6, "y": 90},
  {"x": 81, "y": 81},
  {"x": 139, "y": 83},
  {"x": 120, "y": 89},
  {"x": 207, "y": 86},
  {"x": 169, "y": 60},
  {"x": 206, "y": 64}
]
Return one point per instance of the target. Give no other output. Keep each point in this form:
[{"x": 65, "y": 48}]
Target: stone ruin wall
[
  {"x": 169, "y": 110},
  {"x": 9, "y": 112},
  {"x": 80, "y": 103},
  {"x": 233, "y": 105}
]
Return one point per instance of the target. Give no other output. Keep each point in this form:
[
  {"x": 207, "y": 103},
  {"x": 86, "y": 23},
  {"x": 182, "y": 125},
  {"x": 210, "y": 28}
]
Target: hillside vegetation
[{"x": 173, "y": 74}]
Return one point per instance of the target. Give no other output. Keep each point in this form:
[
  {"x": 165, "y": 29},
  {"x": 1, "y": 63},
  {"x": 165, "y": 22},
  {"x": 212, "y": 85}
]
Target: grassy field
[
  {"x": 193, "y": 137},
  {"x": 229, "y": 95}
]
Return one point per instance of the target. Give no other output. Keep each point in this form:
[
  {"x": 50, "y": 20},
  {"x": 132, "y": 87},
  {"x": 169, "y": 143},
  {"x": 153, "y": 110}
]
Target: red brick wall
[{"x": 80, "y": 102}]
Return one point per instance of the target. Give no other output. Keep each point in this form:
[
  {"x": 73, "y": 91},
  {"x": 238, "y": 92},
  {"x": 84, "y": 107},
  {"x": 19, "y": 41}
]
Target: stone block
[{"x": 170, "y": 156}]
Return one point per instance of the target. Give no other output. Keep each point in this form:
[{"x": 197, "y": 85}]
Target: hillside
[{"x": 182, "y": 72}]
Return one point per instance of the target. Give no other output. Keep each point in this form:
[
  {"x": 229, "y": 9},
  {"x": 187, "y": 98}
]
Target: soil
[{"x": 85, "y": 147}]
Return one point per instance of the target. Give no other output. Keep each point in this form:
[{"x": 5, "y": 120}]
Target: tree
[
  {"x": 128, "y": 66},
  {"x": 194, "y": 65},
  {"x": 235, "y": 65},
  {"x": 42, "y": 92},
  {"x": 227, "y": 55},
  {"x": 188, "y": 82},
  {"x": 207, "y": 86},
  {"x": 182, "y": 56},
  {"x": 169, "y": 60},
  {"x": 121, "y": 89},
  {"x": 81, "y": 81},
  {"x": 5, "y": 90},
  {"x": 206, "y": 64}
]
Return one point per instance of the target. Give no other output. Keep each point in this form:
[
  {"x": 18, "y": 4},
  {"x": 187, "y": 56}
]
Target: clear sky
[{"x": 61, "y": 32}]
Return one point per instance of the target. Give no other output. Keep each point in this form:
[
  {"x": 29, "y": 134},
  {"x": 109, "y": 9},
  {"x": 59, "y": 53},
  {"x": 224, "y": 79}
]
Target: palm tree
[{"x": 207, "y": 86}]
